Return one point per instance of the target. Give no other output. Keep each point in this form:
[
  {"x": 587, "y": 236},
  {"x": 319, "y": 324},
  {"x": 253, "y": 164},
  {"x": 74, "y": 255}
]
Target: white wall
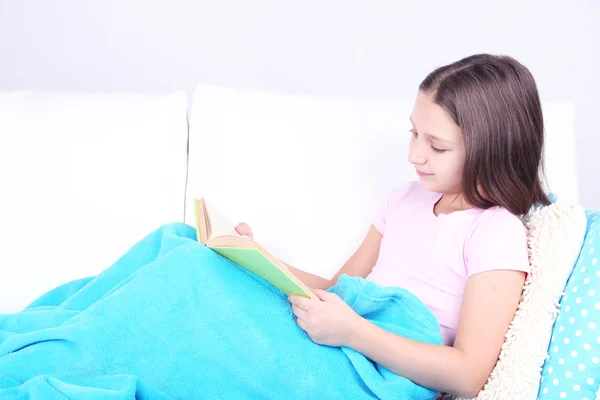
[{"x": 339, "y": 47}]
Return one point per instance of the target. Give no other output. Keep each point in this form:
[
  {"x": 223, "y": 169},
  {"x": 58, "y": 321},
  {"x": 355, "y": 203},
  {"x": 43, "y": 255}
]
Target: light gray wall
[{"x": 339, "y": 47}]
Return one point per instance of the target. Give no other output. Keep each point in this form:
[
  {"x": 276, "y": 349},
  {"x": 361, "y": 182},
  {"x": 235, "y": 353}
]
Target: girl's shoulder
[
  {"x": 497, "y": 240},
  {"x": 499, "y": 219}
]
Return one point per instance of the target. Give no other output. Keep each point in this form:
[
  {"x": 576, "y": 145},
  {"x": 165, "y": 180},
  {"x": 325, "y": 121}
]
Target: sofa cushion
[{"x": 84, "y": 176}]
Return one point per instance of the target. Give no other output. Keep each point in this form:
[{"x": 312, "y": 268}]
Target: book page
[
  {"x": 200, "y": 220},
  {"x": 219, "y": 225}
]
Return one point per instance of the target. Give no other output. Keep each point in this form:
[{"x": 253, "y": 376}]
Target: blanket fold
[{"x": 172, "y": 319}]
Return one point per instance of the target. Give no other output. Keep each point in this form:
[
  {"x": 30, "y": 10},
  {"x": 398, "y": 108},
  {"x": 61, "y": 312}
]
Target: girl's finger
[
  {"x": 299, "y": 312},
  {"x": 300, "y": 301},
  {"x": 302, "y": 324}
]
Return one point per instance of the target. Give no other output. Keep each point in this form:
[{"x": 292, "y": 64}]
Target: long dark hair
[{"x": 495, "y": 101}]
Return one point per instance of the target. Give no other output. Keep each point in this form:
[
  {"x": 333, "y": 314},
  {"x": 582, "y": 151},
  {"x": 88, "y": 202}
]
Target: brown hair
[{"x": 495, "y": 102}]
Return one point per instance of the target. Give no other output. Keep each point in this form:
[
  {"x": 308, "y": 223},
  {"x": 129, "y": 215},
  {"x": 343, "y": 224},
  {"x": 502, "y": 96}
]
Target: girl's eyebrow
[
  {"x": 439, "y": 139},
  {"x": 433, "y": 136}
]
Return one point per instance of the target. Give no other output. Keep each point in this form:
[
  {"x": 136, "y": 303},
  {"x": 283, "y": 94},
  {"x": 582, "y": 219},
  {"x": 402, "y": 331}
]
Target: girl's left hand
[{"x": 327, "y": 320}]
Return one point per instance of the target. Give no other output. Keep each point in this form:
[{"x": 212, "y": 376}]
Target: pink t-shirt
[{"x": 432, "y": 256}]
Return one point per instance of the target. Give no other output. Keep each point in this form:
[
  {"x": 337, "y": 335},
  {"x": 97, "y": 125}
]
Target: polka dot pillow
[{"x": 573, "y": 368}]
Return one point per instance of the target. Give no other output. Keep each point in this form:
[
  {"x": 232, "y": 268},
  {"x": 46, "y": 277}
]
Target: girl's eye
[{"x": 415, "y": 134}]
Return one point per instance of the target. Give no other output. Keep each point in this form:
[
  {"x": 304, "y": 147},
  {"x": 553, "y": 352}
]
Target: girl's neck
[{"x": 449, "y": 203}]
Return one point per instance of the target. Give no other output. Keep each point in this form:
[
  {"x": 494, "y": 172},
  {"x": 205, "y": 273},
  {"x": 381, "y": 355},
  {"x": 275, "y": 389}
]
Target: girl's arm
[
  {"x": 489, "y": 304},
  {"x": 361, "y": 263},
  {"x": 311, "y": 280}
]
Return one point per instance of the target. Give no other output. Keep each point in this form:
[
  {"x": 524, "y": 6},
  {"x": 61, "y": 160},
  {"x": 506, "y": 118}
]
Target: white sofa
[{"x": 85, "y": 176}]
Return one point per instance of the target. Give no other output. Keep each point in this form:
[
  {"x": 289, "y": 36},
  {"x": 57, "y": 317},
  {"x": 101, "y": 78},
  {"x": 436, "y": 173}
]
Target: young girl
[{"x": 453, "y": 238}]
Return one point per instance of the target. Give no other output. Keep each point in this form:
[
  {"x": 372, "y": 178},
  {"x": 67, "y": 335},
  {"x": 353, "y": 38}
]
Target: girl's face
[{"x": 437, "y": 147}]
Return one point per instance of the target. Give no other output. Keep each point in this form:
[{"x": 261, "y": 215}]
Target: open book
[{"x": 216, "y": 232}]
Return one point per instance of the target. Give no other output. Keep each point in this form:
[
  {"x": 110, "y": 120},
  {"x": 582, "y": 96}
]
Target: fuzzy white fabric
[
  {"x": 598, "y": 394},
  {"x": 555, "y": 235}
]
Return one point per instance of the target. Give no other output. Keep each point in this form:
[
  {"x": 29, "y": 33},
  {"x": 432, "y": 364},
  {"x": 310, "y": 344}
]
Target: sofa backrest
[
  {"x": 309, "y": 172},
  {"x": 84, "y": 176}
]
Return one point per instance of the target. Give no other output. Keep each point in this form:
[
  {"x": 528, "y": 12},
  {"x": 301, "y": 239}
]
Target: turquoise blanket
[{"x": 172, "y": 319}]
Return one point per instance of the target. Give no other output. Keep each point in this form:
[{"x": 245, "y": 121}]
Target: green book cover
[{"x": 256, "y": 262}]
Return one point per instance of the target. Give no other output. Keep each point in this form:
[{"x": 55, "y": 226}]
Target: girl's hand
[
  {"x": 327, "y": 320},
  {"x": 244, "y": 229}
]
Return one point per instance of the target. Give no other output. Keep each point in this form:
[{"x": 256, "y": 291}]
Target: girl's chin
[{"x": 430, "y": 183}]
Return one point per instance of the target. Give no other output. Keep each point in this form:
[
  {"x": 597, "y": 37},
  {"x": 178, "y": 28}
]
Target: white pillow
[
  {"x": 84, "y": 177},
  {"x": 555, "y": 235},
  {"x": 559, "y": 149}
]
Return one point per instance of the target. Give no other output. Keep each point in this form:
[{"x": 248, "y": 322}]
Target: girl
[{"x": 453, "y": 238}]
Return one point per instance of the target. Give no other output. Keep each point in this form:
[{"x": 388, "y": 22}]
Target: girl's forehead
[{"x": 431, "y": 119}]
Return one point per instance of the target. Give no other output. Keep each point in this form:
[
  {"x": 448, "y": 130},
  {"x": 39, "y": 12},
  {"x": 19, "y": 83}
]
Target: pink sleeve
[
  {"x": 381, "y": 216},
  {"x": 390, "y": 203},
  {"x": 498, "y": 243}
]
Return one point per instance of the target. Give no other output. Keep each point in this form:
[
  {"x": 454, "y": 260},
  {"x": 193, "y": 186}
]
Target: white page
[{"x": 219, "y": 225}]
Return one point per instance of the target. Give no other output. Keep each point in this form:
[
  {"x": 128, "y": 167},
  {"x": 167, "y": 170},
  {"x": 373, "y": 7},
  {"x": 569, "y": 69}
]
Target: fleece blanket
[{"x": 171, "y": 319}]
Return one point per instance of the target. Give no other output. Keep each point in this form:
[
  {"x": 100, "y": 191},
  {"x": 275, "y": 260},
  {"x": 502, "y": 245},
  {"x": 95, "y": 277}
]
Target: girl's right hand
[{"x": 244, "y": 229}]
